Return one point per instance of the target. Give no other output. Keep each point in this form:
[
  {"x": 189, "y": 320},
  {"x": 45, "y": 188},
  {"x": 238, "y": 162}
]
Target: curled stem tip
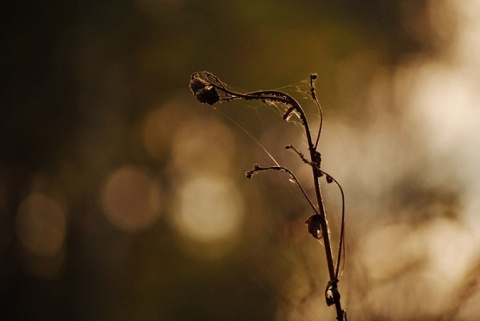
[
  {"x": 203, "y": 91},
  {"x": 209, "y": 89}
]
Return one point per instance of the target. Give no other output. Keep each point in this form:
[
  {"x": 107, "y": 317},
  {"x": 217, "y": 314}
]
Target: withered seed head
[
  {"x": 203, "y": 91},
  {"x": 207, "y": 95},
  {"x": 197, "y": 84}
]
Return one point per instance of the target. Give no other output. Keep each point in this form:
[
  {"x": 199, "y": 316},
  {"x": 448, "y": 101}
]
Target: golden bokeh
[
  {"x": 131, "y": 199},
  {"x": 121, "y": 196},
  {"x": 208, "y": 209},
  {"x": 41, "y": 225}
]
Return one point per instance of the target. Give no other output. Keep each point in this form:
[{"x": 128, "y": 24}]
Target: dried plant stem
[{"x": 209, "y": 89}]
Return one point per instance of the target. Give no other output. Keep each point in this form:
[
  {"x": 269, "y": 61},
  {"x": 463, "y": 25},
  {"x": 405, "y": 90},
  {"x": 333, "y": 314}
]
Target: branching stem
[
  {"x": 209, "y": 89},
  {"x": 258, "y": 168}
]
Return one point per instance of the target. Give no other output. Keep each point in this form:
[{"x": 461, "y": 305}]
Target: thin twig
[
  {"x": 209, "y": 89},
  {"x": 258, "y": 168}
]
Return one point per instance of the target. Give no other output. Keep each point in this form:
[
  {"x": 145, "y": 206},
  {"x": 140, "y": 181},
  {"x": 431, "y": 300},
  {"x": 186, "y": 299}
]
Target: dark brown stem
[{"x": 206, "y": 87}]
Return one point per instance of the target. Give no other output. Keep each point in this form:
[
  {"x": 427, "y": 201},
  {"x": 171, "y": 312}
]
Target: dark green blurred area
[{"x": 80, "y": 78}]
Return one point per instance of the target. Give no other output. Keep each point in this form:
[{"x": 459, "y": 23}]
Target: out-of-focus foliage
[{"x": 122, "y": 198}]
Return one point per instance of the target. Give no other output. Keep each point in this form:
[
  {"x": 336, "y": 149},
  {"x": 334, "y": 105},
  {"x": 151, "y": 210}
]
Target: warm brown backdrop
[{"x": 122, "y": 198}]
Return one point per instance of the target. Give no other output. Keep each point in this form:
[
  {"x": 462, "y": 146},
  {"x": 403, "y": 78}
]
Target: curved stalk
[{"x": 209, "y": 89}]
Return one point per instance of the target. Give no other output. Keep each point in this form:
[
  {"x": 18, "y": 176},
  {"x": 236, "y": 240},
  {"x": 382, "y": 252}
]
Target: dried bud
[
  {"x": 314, "y": 227},
  {"x": 197, "y": 84},
  {"x": 204, "y": 91},
  {"x": 207, "y": 95}
]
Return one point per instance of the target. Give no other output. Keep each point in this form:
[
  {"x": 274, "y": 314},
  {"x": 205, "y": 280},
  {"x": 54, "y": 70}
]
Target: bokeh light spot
[
  {"x": 208, "y": 141},
  {"x": 131, "y": 199},
  {"x": 209, "y": 209},
  {"x": 41, "y": 225},
  {"x": 159, "y": 127}
]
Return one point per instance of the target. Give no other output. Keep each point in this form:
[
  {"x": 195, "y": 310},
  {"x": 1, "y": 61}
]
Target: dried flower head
[
  {"x": 203, "y": 91},
  {"x": 197, "y": 84}
]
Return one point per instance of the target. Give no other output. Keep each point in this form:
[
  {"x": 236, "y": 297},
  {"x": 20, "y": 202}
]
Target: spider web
[{"x": 262, "y": 120}]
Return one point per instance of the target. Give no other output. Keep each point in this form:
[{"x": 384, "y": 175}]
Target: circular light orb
[
  {"x": 209, "y": 209},
  {"x": 131, "y": 199},
  {"x": 41, "y": 225}
]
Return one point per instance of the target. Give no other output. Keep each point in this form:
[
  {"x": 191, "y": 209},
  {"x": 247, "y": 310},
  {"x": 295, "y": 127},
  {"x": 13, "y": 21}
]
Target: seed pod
[
  {"x": 314, "y": 227},
  {"x": 197, "y": 84},
  {"x": 207, "y": 95}
]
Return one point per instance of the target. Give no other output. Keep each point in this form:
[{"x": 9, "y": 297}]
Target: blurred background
[{"x": 123, "y": 198}]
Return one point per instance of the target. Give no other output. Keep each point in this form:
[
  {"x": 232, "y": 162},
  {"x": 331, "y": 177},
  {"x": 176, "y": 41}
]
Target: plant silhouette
[{"x": 209, "y": 89}]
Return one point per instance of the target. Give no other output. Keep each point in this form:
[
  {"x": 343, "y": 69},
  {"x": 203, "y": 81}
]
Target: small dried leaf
[{"x": 314, "y": 227}]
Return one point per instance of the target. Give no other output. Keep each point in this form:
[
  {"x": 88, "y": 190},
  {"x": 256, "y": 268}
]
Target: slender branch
[
  {"x": 313, "y": 77},
  {"x": 205, "y": 90},
  {"x": 258, "y": 168},
  {"x": 330, "y": 179},
  {"x": 209, "y": 89},
  {"x": 341, "y": 244}
]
